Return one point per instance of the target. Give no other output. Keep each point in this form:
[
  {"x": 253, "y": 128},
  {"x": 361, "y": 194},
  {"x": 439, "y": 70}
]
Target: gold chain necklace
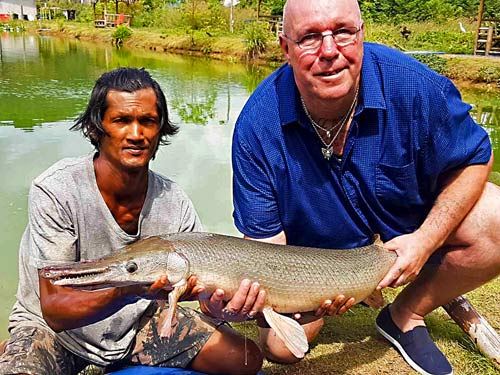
[
  {"x": 316, "y": 125},
  {"x": 327, "y": 151}
]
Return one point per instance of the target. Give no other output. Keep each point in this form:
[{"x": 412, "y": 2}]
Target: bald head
[{"x": 297, "y": 13}]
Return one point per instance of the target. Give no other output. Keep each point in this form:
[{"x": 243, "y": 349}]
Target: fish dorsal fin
[
  {"x": 289, "y": 331},
  {"x": 375, "y": 300},
  {"x": 173, "y": 298}
]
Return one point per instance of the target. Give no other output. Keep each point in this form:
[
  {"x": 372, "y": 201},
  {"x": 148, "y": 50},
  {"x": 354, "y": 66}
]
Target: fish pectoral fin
[
  {"x": 375, "y": 300},
  {"x": 173, "y": 298},
  {"x": 289, "y": 331},
  {"x": 377, "y": 240}
]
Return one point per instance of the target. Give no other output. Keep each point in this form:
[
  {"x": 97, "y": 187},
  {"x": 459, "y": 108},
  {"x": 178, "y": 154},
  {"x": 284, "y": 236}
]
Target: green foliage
[
  {"x": 196, "y": 113},
  {"x": 196, "y": 14},
  {"x": 275, "y": 7},
  {"x": 60, "y": 23},
  {"x": 153, "y": 13},
  {"x": 490, "y": 74},
  {"x": 430, "y": 36},
  {"x": 446, "y": 41},
  {"x": 257, "y": 35},
  {"x": 120, "y": 34},
  {"x": 397, "y": 11},
  {"x": 84, "y": 13},
  {"x": 492, "y": 9},
  {"x": 434, "y": 62},
  {"x": 495, "y": 178}
]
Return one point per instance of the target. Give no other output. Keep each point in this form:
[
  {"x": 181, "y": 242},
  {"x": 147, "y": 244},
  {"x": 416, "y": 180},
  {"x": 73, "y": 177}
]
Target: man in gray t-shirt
[{"x": 90, "y": 207}]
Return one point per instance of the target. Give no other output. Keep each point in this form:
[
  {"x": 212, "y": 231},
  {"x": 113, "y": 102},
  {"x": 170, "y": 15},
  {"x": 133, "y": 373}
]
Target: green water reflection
[
  {"x": 486, "y": 111},
  {"x": 46, "y": 82}
]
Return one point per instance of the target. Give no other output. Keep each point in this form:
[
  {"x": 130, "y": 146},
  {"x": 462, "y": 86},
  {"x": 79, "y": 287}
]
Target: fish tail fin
[
  {"x": 375, "y": 300},
  {"x": 289, "y": 331},
  {"x": 173, "y": 297}
]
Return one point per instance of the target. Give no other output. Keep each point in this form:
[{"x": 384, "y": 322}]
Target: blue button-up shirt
[{"x": 410, "y": 126}]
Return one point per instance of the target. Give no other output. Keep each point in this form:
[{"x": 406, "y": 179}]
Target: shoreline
[{"x": 466, "y": 70}]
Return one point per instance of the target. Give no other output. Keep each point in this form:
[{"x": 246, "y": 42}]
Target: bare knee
[
  {"x": 243, "y": 359},
  {"x": 278, "y": 354},
  {"x": 228, "y": 352},
  {"x": 475, "y": 244},
  {"x": 275, "y": 349},
  {"x": 247, "y": 358}
]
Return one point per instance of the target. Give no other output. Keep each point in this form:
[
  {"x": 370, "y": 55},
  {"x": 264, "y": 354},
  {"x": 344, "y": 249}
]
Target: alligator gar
[{"x": 296, "y": 279}]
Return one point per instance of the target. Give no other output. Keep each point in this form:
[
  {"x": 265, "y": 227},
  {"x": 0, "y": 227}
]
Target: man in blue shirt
[{"x": 352, "y": 139}]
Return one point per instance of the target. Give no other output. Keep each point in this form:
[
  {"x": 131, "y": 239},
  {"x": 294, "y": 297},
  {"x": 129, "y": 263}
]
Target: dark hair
[{"x": 121, "y": 79}]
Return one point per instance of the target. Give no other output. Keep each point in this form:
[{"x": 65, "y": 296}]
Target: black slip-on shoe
[{"x": 416, "y": 346}]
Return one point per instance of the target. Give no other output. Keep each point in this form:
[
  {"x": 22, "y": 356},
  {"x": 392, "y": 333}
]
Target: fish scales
[{"x": 296, "y": 278}]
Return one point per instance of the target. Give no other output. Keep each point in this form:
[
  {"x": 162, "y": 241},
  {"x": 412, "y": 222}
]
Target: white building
[{"x": 18, "y": 9}]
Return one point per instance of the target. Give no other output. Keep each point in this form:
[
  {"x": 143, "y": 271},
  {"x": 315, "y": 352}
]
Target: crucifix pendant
[{"x": 327, "y": 152}]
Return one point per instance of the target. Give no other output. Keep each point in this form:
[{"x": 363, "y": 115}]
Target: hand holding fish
[
  {"x": 247, "y": 301},
  {"x": 336, "y": 306},
  {"x": 413, "y": 251},
  {"x": 158, "y": 290},
  {"x": 161, "y": 287}
]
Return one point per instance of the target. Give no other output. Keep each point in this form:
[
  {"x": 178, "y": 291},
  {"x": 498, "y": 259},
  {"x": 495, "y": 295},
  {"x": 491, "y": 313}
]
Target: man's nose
[
  {"x": 328, "y": 46},
  {"x": 135, "y": 130}
]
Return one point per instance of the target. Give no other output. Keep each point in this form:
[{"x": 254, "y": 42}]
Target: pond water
[{"x": 46, "y": 82}]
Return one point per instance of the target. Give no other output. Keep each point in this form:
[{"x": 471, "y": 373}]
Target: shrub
[
  {"x": 84, "y": 13},
  {"x": 450, "y": 42},
  {"x": 120, "y": 34},
  {"x": 489, "y": 74},
  {"x": 257, "y": 35},
  {"x": 434, "y": 62}
]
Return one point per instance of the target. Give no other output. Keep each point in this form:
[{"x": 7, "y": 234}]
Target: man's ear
[{"x": 284, "y": 48}]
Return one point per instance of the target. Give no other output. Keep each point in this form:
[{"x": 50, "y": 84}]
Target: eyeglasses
[{"x": 342, "y": 37}]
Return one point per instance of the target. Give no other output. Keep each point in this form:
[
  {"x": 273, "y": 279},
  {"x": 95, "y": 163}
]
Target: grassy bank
[{"x": 456, "y": 62}]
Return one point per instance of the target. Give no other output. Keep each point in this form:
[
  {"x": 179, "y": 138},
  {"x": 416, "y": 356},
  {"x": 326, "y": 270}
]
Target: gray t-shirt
[{"x": 68, "y": 221}]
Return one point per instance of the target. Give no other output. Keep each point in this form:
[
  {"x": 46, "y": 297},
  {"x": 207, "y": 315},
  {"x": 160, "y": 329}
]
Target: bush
[
  {"x": 257, "y": 35},
  {"x": 489, "y": 74},
  {"x": 84, "y": 13},
  {"x": 434, "y": 62},
  {"x": 446, "y": 41},
  {"x": 120, "y": 34}
]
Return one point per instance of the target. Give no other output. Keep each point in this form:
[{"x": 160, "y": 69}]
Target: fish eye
[{"x": 131, "y": 267}]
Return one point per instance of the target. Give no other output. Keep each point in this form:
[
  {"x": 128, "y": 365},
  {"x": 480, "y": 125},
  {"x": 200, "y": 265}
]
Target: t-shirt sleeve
[
  {"x": 190, "y": 221},
  {"x": 52, "y": 238}
]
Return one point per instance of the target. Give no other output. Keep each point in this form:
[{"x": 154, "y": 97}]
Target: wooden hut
[
  {"x": 106, "y": 19},
  {"x": 487, "y": 40}
]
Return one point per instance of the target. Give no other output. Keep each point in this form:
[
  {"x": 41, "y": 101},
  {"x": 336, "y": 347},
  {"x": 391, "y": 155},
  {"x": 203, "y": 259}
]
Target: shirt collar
[
  {"x": 288, "y": 95},
  {"x": 370, "y": 89}
]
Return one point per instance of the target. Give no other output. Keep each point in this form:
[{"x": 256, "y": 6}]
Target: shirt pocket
[{"x": 397, "y": 186}]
